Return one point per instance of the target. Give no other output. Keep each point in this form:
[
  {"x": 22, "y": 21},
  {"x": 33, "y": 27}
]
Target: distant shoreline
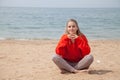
[
  {"x": 37, "y": 40},
  {"x": 20, "y": 39}
]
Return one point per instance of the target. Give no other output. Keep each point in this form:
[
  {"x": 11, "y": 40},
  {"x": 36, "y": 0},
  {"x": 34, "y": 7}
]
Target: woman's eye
[
  {"x": 69, "y": 26},
  {"x": 73, "y": 26}
]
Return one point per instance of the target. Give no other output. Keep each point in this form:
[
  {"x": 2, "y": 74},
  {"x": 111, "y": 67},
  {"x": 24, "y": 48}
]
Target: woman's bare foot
[
  {"x": 85, "y": 70},
  {"x": 75, "y": 71},
  {"x": 63, "y": 71}
]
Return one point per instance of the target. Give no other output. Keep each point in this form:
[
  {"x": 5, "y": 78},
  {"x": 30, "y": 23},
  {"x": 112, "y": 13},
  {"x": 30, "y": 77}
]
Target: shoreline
[{"x": 56, "y": 39}]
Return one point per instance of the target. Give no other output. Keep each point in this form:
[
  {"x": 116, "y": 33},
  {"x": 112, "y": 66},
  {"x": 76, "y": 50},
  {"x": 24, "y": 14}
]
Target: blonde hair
[{"x": 78, "y": 31}]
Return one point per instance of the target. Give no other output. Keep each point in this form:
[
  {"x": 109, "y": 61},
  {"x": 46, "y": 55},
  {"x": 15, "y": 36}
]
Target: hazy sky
[{"x": 61, "y": 3}]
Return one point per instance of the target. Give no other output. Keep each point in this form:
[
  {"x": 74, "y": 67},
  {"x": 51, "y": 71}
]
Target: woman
[{"x": 73, "y": 50}]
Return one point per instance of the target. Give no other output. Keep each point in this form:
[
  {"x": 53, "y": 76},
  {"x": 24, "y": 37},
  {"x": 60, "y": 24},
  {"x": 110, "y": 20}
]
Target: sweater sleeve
[
  {"x": 61, "y": 46},
  {"x": 83, "y": 45}
]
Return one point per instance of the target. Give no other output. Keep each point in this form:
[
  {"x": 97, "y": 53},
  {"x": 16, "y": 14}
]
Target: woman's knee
[
  {"x": 55, "y": 57},
  {"x": 90, "y": 57}
]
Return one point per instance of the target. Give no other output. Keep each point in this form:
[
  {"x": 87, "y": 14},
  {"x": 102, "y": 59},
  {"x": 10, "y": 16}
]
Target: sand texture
[{"x": 31, "y": 60}]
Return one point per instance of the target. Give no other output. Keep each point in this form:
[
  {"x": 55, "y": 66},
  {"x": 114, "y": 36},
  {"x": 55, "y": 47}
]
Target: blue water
[{"x": 49, "y": 23}]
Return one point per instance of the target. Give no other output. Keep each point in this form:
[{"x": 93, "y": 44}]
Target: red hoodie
[{"x": 73, "y": 52}]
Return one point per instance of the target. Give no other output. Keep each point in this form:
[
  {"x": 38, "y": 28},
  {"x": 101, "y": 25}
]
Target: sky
[{"x": 61, "y": 3}]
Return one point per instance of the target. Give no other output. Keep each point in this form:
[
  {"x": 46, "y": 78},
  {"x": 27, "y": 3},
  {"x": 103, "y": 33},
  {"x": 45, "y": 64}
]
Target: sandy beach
[{"x": 31, "y": 60}]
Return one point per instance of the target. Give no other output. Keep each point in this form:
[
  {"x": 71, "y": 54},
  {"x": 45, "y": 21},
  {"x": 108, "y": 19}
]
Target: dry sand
[{"x": 31, "y": 60}]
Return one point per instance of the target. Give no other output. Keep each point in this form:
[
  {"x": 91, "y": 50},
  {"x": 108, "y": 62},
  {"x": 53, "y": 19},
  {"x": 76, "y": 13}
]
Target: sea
[{"x": 29, "y": 23}]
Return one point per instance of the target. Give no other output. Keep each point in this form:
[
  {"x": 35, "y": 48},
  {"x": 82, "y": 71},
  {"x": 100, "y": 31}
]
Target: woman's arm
[
  {"x": 83, "y": 45},
  {"x": 61, "y": 46}
]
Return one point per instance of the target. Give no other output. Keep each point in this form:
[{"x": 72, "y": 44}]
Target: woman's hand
[{"x": 72, "y": 37}]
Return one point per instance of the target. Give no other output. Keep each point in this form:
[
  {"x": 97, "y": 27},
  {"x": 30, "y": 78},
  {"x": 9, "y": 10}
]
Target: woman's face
[{"x": 72, "y": 27}]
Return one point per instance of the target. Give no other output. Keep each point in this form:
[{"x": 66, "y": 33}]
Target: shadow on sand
[{"x": 99, "y": 72}]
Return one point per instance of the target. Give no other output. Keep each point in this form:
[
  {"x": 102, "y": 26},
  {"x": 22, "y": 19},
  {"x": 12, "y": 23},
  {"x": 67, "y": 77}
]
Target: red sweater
[{"x": 73, "y": 52}]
